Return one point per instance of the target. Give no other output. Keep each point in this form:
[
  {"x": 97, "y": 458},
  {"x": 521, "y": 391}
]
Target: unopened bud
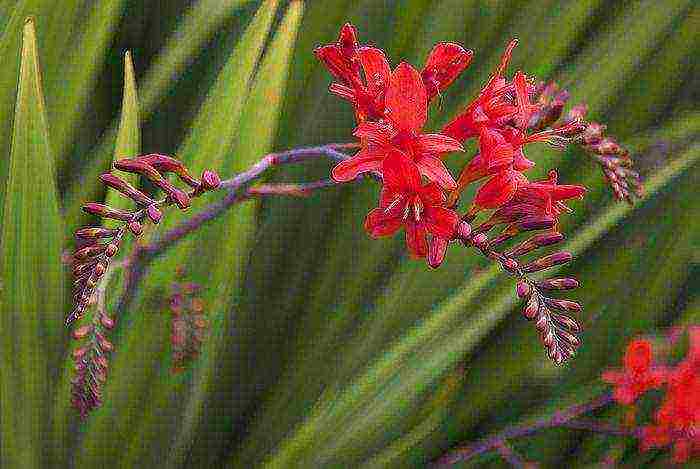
[
  {"x": 154, "y": 214},
  {"x": 593, "y": 133},
  {"x": 135, "y": 227},
  {"x": 464, "y": 229},
  {"x": 532, "y": 308},
  {"x": 82, "y": 331},
  {"x": 510, "y": 265},
  {"x": 523, "y": 289},
  {"x": 558, "y": 284},
  {"x": 111, "y": 250},
  {"x": 564, "y": 305},
  {"x": 479, "y": 240},
  {"x": 106, "y": 321},
  {"x": 436, "y": 251},
  {"x": 535, "y": 224},
  {"x": 546, "y": 262},
  {"x": 210, "y": 180}
]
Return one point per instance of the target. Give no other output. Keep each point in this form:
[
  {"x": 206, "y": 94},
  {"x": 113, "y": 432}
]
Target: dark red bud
[
  {"x": 154, "y": 214},
  {"x": 107, "y": 212},
  {"x": 523, "y": 289},
  {"x": 534, "y": 224},
  {"x": 82, "y": 331},
  {"x": 111, "y": 249},
  {"x": 89, "y": 251},
  {"x": 558, "y": 284},
  {"x": 106, "y": 321},
  {"x": 210, "y": 180},
  {"x": 546, "y": 262},
  {"x": 135, "y": 227},
  {"x": 125, "y": 188},
  {"x": 564, "y": 305},
  {"x": 95, "y": 232},
  {"x": 532, "y": 308}
]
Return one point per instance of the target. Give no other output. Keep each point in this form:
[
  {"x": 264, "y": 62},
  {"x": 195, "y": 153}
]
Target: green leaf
[
  {"x": 195, "y": 28},
  {"x": 32, "y": 302},
  {"x": 128, "y": 135},
  {"x": 210, "y": 139}
]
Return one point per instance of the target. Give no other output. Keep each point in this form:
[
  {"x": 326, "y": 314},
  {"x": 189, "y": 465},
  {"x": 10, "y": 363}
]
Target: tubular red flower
[
  {"x": 444, "y": 64},
  {"x": 400, "y": 132},
  {"x": 638, "y": 374},
  {"x": 406, "y": 202}
]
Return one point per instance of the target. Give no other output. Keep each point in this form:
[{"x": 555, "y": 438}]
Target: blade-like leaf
[
  {"x": 32, "y": 301},
  {"x": 128, "y": 135},
  {"x": 210, "y": 139}
]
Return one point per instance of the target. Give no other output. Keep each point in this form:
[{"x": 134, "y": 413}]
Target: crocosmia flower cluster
[
  {"x": 677, "y": 418},
  {"x": 419, "y": 194}
]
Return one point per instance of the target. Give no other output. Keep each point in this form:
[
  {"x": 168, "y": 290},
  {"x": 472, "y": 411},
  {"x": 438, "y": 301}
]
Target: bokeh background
[{"x": 328, "y": 349}]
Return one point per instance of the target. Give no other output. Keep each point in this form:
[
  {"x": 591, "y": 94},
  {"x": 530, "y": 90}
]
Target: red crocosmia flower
[
  {"x": 340, "y": 57},
  {"x": 522, "y": 98},
  {"x": 678, "y": 418},
  {"x": 444, "y": 64},
  {"x": 367, "y": 99},
  {"x": 499, "y": 189},
  {"x": 400, "y": 131},
  {"x": 548, "y": 196},
  {"x": 638, "y": 374},
  {"x": 492, "y": 108},
  {"x": 406, "y": 202}
]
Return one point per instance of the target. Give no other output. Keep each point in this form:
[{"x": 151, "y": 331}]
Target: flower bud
[
  {"x": 82, "y": 331},
  {"x": 104, "y": 211},
  {"x": 210, "y": 180},
  {"x": 436, "y": 251},
  {"x": 564, "y": 305},
  {"x": 111, "y": 250},
  {"x": 95, "y": 232},
  {"x": 154, "y": 214},
  {"x": 532, "y": 308},
  {"x": 546, "y": 262},
  {"x": 523, "y": 289},
  {"x": 558, "y": 284},
  {"x": 106, "y": 321},
  {"x": 135, "y": 227}
]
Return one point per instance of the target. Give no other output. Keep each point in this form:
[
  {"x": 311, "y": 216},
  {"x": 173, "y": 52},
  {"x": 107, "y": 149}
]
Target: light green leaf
[
  {"x": 128, "y": 135},
  {"x": 32, "y": 302}
]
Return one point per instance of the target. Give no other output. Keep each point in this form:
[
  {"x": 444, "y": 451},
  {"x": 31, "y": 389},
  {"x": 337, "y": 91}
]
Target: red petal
[
  {"x": 347, "y": 39},
  {"x": 565, "y": 192},
  {"x": 378, "y": 133},
  {"x": 435, "y": 170},
  {"x": 365, "y": 160},
  {"x": 461, "y": 127},
  {"x": 437, "y": 144},
  {"x": 497, "y": 152},
  {"x": 406, "y": 99},
  {"x": 378, "y": 223},
  {"x": 342, "y": 91},
  {"x": 443, "y": 65},
  {"x": 336, "y": 63},
  {"x": 440, "y": 221},
  {"x": 497, "y": 190},
  {"x": 431, "y": 194},
  {"x": 415, "y": 239},
  {"x": 400, "y": 173},
  {"x": 377, "y": 69},
  {"x": 505, "y": 59},
  {"x": 525, "y": 108},
  {"x": 520, "y": 162},
  {"x": 437, "y": 248}
]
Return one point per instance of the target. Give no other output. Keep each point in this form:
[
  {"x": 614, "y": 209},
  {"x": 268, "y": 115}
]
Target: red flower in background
[
  {"x": 638, "y": 374},
  {"x": 406, "y": 112},
  {"x": 546, "y": 198},
  {"x": 406, "y": 202}
]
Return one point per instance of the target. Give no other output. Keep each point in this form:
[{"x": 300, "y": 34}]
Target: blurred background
[{"x": 326, "y": 348}]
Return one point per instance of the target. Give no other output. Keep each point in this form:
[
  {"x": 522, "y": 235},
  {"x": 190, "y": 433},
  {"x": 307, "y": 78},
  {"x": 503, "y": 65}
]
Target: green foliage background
[{"x": 327, "y": 349}]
